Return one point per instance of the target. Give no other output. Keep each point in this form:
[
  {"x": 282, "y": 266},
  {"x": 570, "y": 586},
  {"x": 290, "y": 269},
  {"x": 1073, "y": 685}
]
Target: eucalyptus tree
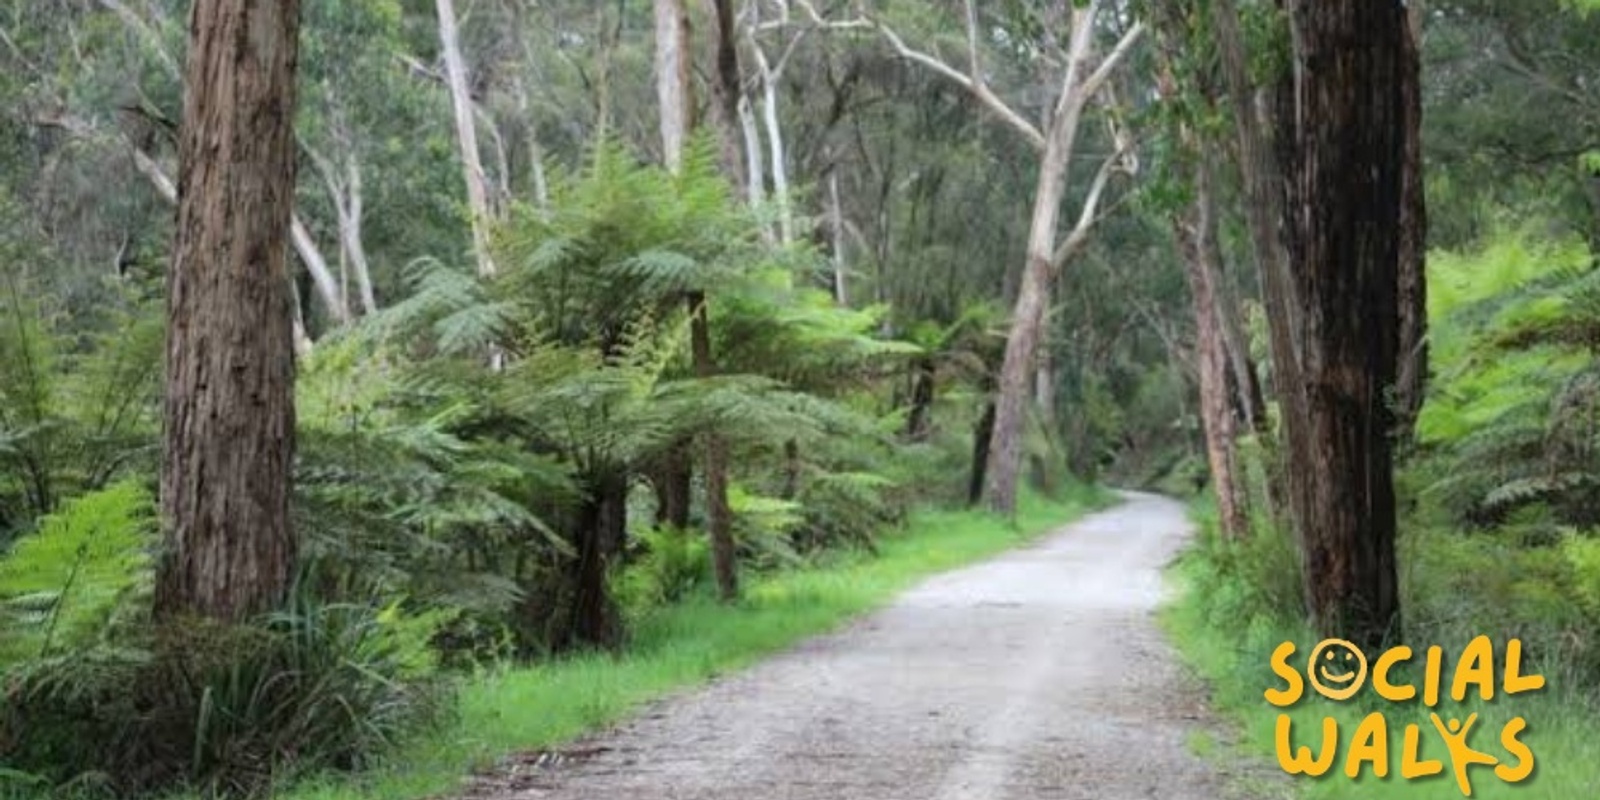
[
  {"x": 229, "y": 415},
  {"x": 1069, "y": 93}
]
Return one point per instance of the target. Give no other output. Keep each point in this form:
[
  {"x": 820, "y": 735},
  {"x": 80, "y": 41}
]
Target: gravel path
[{"x": 1039, "y": 674}]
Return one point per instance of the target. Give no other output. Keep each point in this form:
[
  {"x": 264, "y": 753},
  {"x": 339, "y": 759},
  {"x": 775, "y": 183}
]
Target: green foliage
[
  {"x": 60, "y": 585},
  {"x": 1509, "y": 418},
  {"x": 1226, "y": 626},
  {"x": 77, "y": 406},
  {"x": 549, "y": 704},
  {"x": 225, "y": 710},
  {"x": 672, "y": 564}
]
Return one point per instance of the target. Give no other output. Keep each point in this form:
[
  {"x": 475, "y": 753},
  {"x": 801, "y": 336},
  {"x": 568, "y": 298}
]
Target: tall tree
[
  {"x": 455, "y": 67},
  {"x": 229, "y": 415},
  {"x": 1412, "y": 376},
  {"x": 1342, "y": 156},
  {"x": 1080, "y": 81},
  {"x": 674, "y": 93},
  {"x": 1046, "y": 252}
]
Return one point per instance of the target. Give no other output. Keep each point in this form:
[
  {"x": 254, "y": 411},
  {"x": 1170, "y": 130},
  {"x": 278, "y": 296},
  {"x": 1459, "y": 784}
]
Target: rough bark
[
  {"x": 1344, "y": 168},
  {"x": 599, "y": 532},
  {"x": 1412, "y": 375},
  {"x": 229, "y": 408},
  {"x": 1264, "y": 214},
  {"x": 1194, "y": 231},
  {"x": 725, "y": 93},
  {"x": 466, "y": 136}
]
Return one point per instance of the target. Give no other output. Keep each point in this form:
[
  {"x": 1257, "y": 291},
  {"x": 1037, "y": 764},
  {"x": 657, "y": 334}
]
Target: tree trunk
[
  {"x": 1194, "y": 230},
  {"x": 754, "y": 165},
  {"x": 922, "y": 393},
  {"x": 672, "y": 80},
  {"x": 1246, "y": 382},
  {"x": 466, "y": 136},
  {"x": 791, "y": 470},
  {"x": 1039, "y": 271},
  {"x": 1027, "y": 322},
  {"x": 1412, "y": 373},
  {"x": 726, "y": 91},
  {"x": 677, "y": 112},
  {"x": 841, "y": 289},
  {"x": 719, "y": 517},
  {"x": 599, "y": 531},
  {"x": 770, "y": 76},
  {"x": 673, "y": 480},
  {"x": 229, "y": 409},
  {"x": 982, "y": 434},
  {"x": 1344, "y": 170},
  {"x": 1264, "y": 213}
]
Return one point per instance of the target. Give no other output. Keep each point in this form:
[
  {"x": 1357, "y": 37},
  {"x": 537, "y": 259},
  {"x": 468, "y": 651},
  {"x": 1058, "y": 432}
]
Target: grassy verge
[
  {"x": 1211, "y": 623},
  {"x": 679, "y": 646}
]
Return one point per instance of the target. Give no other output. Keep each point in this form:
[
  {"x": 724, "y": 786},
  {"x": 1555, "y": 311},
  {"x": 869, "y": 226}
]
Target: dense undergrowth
[
  {"x": 1236, "y": 607},
  {"x": 493, "y": 477},
  {"x": 1498, "y": 536},
  {"x": 366, "y": 689}
]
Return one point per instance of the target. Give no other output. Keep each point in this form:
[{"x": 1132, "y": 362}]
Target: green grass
[
  {"x": 683, "y": 645},
  {"x": 1230, "y": 651}
]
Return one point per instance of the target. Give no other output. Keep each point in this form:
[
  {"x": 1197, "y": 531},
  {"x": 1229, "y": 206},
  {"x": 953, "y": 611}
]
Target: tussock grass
[{"x": 683, "y": 645}]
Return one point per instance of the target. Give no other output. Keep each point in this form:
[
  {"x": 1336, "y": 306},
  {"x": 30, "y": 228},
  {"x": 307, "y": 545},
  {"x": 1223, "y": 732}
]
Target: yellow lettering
[
  {"x": 1518, "y": 750},
  {"x": 1411, "y": 764},
  {"x": 1380, "y": 676},
  {"x": 1297, "y": 762},
  {"x": 1477, "y": 666},
  {"x": 1370, "y": 743},
  {"x": 1515, "y": 681},
  {"x": 1280, "y": 667},
  {"x": 1430, "y": 679}
]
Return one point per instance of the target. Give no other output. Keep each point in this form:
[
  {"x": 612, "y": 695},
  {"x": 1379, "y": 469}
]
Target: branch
[
  {"x": 1115, "y": 57},
  {"x": 147, "y": 166},
  {"x": 1087, "y": 216},
  {"x": 973, "y": 83},
  {"x": 132, "y": 19}
]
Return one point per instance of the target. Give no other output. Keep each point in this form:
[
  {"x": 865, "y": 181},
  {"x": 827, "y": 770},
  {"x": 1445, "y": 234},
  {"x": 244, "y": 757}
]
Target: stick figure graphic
[{"x": 1461, "y": 754}]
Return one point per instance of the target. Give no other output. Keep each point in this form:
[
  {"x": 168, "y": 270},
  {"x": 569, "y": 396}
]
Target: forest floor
[{"x": 1038, "y": 674}]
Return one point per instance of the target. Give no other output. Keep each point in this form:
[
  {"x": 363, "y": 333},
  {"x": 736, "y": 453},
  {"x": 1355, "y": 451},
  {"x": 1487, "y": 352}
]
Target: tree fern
[{"x": 60, "y": 584}]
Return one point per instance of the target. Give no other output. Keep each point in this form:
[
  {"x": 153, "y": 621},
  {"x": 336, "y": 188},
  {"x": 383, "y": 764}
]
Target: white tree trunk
[
  {"x": 755, "y": 164},
  {"x": 841, "y": 293},
  {"x": 770, "y": 77},
  {"x": 466, "y": 136},
  {"x": 672, "y": 79}
]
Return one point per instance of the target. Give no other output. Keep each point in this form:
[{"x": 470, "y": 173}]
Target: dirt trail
[{"x": 1039, "y": 674}]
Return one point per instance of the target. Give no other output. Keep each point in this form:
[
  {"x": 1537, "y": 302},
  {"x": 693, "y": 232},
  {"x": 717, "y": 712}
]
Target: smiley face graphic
[{"x": 1337, "y": 669}]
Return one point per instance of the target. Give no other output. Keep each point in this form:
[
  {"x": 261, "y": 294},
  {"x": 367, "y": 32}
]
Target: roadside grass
[
  {"x": 541, "y": 706},
  {"x": 1230, "y": 651}
]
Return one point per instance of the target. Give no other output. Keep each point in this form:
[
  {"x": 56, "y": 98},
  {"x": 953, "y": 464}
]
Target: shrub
[
  {"x": 224, "y": 709},
  {"x": 672, "y": 564}
]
